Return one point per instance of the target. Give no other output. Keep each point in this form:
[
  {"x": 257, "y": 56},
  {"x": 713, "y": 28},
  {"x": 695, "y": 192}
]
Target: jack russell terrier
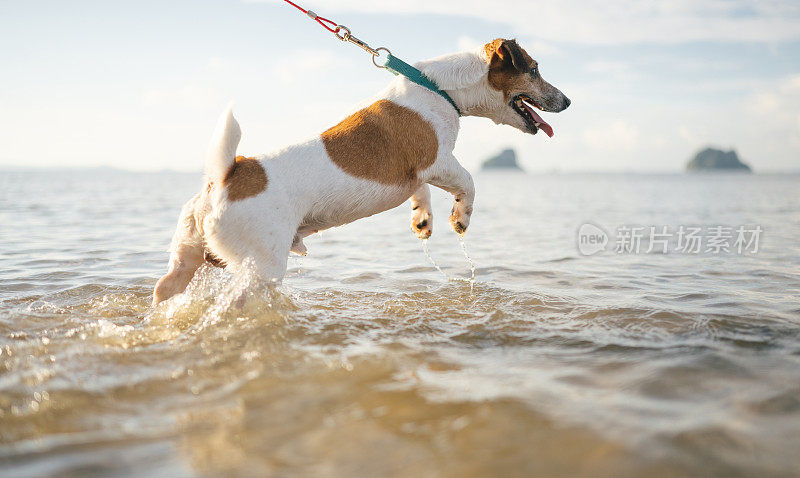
[{"x": 372, "y": 161}]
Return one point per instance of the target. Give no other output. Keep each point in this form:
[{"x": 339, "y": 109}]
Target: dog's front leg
[
  {"x": 297, "y": 243},
  {"x": 421, "y": 215},
  {"x": 456, "y": 180}
]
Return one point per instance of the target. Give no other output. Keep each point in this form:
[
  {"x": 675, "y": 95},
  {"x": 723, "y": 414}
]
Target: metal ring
[
  {"x": 376, "y": 54},
  {"x": 344, "y": 36}
]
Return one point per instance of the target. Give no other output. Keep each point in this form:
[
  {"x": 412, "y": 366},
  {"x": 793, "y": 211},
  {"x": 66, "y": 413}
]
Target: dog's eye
[{"x": 535, "y": 70}]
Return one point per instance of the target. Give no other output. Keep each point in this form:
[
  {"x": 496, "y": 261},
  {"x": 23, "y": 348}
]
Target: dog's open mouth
[{"x": 526, "y": 107}]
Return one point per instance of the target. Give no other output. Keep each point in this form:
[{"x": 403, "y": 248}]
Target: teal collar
[{"x": 399, "y": 67}]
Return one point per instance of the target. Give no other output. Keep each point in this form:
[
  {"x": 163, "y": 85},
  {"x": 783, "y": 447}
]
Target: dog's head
[
  {"x": 501, "y": 82},
  {"x": 516, "y": 75}
]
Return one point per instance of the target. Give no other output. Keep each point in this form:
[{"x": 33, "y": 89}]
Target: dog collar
[{"x": 399, "y": 67}]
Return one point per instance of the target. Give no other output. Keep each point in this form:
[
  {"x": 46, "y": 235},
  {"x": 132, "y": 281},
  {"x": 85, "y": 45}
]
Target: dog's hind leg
[
  {"x": 271, "y": 252},
  {"x": 260, "y": 246},
  {"x": 186, "y": 255},
  {"x": 421, "y": 213},
  {"x": 271, "y": 263}
]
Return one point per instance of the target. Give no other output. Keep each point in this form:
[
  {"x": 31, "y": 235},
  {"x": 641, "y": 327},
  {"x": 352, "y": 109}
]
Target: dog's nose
[{"x": 567, "y": 102}]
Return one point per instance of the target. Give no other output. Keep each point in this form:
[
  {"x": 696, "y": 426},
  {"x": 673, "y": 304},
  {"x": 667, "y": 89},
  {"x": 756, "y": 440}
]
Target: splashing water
[
  {"x": 433, "y": 262},
  {"x": 469, "y": 261},
  {"x": 213, "y": 296}
]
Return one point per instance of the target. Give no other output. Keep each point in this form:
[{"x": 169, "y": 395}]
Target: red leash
[
  {"x": 341, "y": 32},
  {"x": 322, "y": 21}
]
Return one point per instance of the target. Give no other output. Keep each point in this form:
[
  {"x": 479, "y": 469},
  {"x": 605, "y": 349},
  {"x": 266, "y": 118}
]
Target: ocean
[{"x": 617, "y": 325}]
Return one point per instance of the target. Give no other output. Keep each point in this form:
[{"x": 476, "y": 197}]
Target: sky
[{"x": 140, "y": 85}]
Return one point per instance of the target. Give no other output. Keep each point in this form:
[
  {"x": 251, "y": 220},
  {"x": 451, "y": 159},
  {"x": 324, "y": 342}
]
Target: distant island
[
  {"x": 507, "y": 159},
  {"x": 711, "y": 159}
]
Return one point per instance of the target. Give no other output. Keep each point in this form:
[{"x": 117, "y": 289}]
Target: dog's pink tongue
[{"x": 542, "y": 124}]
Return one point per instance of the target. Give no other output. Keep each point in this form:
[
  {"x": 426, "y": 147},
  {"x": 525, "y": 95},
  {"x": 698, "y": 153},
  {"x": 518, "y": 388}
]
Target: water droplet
[
  {"x": 469, "y": 260},
  {"x": 433, "y": 262}
]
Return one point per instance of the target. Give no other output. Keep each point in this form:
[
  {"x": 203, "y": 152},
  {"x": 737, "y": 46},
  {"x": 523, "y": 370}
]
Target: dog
[{"x": 373, "y": 160}]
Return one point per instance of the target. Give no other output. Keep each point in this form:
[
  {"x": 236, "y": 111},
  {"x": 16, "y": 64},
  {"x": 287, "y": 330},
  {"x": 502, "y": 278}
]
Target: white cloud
[
  {"x": 791, "y": 84},
  {"x": 618, "y": 135},
  {"x": 218, "y": 64},
  {"x": 540, "y": 49},
  {"x": 191, "y": 96},
  {"x": 466, "y": 43},
  {"x": 605, "y": 66},
  {"x": 776, "y": 101},
  {"x": 686, "y": 133},
  {"x": 602, "y": 22},
  {"x": 764, "y": 102},
  {"x": 305, "y": 62}
]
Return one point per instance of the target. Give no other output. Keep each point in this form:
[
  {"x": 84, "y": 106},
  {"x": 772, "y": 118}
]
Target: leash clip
[{"x": 347, "y": 36}]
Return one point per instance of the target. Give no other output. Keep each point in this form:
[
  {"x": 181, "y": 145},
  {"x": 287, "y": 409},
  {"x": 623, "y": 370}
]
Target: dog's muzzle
[{"x": 526, "y": 107}]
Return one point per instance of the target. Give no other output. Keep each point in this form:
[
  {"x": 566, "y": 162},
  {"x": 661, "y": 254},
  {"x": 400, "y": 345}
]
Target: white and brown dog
[{"x": 374, "y": 160}]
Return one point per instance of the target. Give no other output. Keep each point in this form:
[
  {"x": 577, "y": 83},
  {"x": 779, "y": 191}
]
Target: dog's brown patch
[
  {"x": 245, "y": 179},
  {"x": 384, "y": 142},
  {"x": 509, "y": 67}
]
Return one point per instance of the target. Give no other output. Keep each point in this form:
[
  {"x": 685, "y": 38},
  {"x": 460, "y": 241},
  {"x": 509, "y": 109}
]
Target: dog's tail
[{"x": 222, "y": 150}]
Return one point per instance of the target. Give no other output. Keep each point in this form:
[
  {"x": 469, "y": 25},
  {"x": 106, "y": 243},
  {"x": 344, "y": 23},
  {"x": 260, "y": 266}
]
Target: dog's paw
[
  {"x": 422, "y": 223},
  {"x": 459, "y": 217},
  {"x": 298, "y": 247}
]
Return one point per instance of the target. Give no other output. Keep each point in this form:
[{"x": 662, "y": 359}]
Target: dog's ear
[{"x": 506, "y": 53}]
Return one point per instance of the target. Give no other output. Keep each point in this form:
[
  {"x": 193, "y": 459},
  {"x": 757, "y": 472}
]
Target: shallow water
[{"x": 368, "y": 361}]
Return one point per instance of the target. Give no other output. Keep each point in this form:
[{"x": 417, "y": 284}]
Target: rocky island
[
  {"x": 507, "y": 159},
  {"x": 711, "y": 159}
]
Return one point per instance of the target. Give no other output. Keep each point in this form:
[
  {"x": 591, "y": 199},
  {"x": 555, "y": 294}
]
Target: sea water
[{"x": 367, "y": 361}]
